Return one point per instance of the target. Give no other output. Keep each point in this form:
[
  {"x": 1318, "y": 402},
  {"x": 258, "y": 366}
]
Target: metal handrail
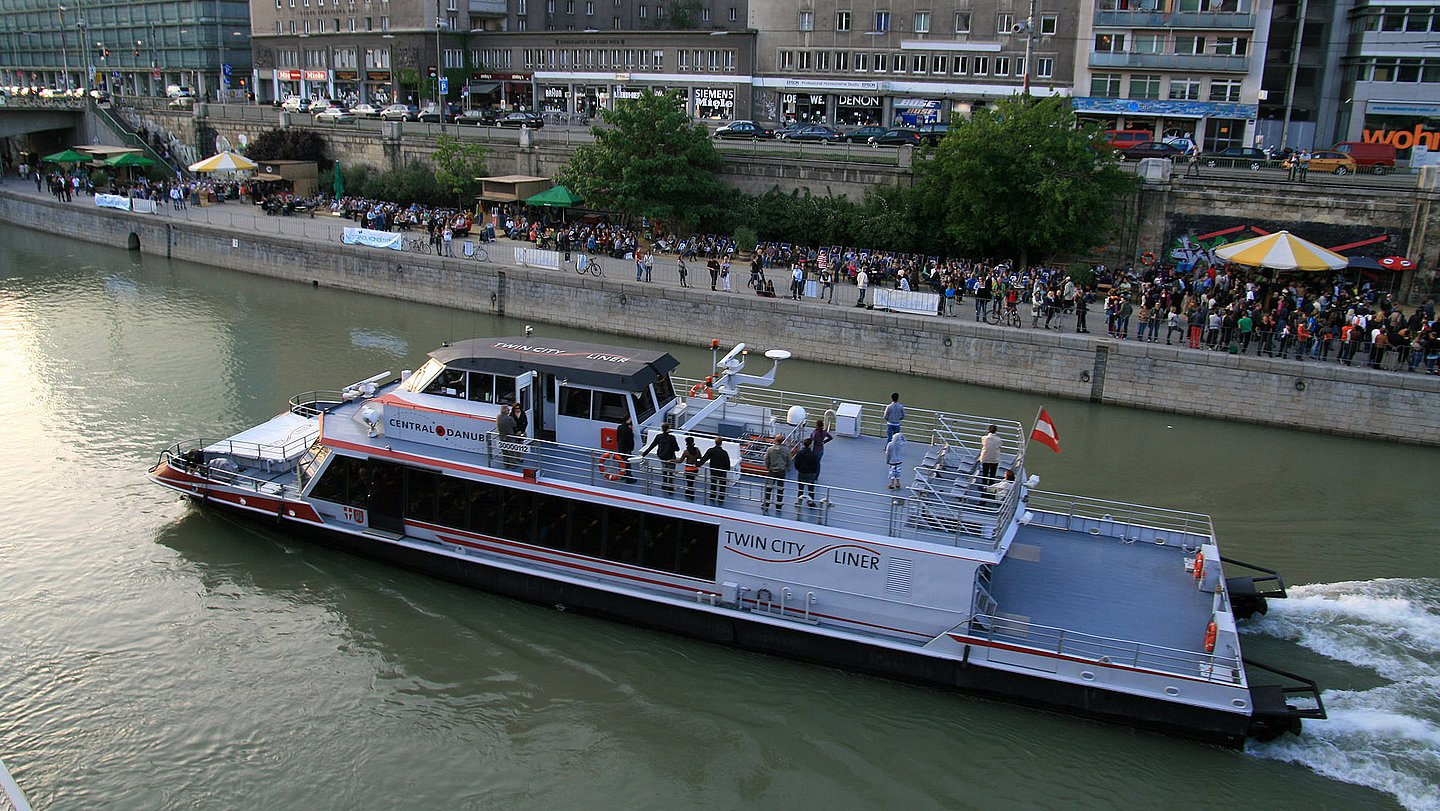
[
  {"x": 174, "y": 456},
  {"x": 1133, "y": 521},
  {"x": 305, "y": 403},
  {"x": 1211, "y": 667}
]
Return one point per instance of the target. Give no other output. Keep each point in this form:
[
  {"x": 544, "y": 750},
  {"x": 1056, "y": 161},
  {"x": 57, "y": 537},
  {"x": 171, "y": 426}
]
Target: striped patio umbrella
[
  {"x": 224, "y": 162},
  {"x": 1281, "y": 250}
]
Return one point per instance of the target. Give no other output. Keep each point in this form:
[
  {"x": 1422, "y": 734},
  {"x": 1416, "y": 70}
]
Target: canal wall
[{"x": 1325, "y": 398}]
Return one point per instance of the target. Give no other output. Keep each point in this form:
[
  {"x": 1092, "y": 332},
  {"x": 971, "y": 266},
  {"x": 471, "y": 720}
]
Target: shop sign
[
  {"x": 858, "y": 101},
  {"x": 627, "y": 93},
  {"x": 554, "y": 93},
  {"x": 715, "y": 96},
  {"x": 500, "y": 77},
  {"x": 377, "y": 75},
  {"x": 288, "y": 75},
  {"x": 316, "y": 75},
  {"x": 917, "y": 104},
  {"x": 1404, "y": 139},
  {"x": 811, "y": 100},
  {"x": 346, "y": 76}
]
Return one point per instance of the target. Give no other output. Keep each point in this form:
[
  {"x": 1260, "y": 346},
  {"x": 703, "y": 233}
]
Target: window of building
[
  {"x": 882, "y": 22},
  {"x": 1105, "y": 85},
  {"x": 922, "y": 63},
  {"x": 862, "y": 63},
  {"x": 962, "y": 22},
  {"x": 842, "y": 21},
  {"x": 642, "y": 11},
  {"x": 1003, "y": 23},
  {"x": 962, "y": 65},
  {"x": 657, "y": 59},
  {"x": 1225, "y": 90},
  {"x": 384, "y": 23},
  {"x": 1044, "y": 67},
  {"x": 842, "y": 60},
  {"x": 1002, "y": 66},
  {"x": 682, "y": 58},
  {"x": 1189, "y": 44},
  {"x": 454, "y": 58},
  {"x": 734, "y": 14},
  {"x": 705, "y": 14},
  {"x": 1232, "y": 46},
  {"x": 981, "y": 66},
  {"x": 922, "y": 22},
  {"x": 786, "y": 61},
  {"x": 1109, "y": 43},
  {"x": 1049, "y": 24},
  {"x": 807, "y": 21},
  {"x": 659, "y": 12},
  {"x": 942, "y": 64},
  {"x": 1184, "y": 88},
  {"x": 1144, "y": 86},
  {"x": 882, "y": 62},
  {"x": 1148, "y": 44},
  {"x": 804, "y": 62}
]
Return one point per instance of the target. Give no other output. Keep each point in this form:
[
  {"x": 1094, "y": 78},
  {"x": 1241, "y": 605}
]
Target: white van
[{"x": 176, "y": 91}]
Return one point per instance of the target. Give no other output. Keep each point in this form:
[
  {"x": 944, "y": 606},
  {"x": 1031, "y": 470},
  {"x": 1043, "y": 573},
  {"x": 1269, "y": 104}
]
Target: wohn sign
[{"x": 1404, "y": 139}]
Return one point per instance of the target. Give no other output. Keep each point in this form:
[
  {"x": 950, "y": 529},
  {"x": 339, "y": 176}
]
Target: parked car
[
  {"x": 335, "y": 115},
  {"x": 933, "y": 132},
  {"x": 864, "y": 134},
  {"x": 786, "y": 131},
  {"x": 896, "y": 137},
  {"x": 1149, "y": 149},
  {"x": 182, "y": 102},
  {"x": 517, "y": 120},
  {"x": 1331, "y": 161},
  {"x": 744, "y": 129},
  {"x": 296, "y": 104},
  {"x": 400, "y": 112},
  {"x": 1124, "y": 139},
  {"x": 1377, "y": 156},
  {"x": 480, "y": 117},
  {"x": 815, "y": 133},
  {"x": 1237, "y": 156},
  {"x": 430, "y": 115},
  {"x": 100, "y": 96},
  {"x": 365, "y": 111},
  {"x": 178, "y": 90}
]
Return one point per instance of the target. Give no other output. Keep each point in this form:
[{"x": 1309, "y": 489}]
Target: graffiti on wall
[{"x": 1191, "y": 241}]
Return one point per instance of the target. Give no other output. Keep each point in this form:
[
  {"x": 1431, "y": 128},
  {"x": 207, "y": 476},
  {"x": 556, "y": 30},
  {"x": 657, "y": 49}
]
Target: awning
[
  {"x": 485, "y": 87},
  {"x": 266, "y": 176}
]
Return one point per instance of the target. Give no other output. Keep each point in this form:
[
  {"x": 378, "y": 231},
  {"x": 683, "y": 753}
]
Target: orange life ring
[
  {"x": 1147, "y": 258},
  {"x": 619, "y": 466},
  {"x": 1210, "y": 632},
  {"x": 705, "y": 387},
  {"x": 1199, "y": 566}
]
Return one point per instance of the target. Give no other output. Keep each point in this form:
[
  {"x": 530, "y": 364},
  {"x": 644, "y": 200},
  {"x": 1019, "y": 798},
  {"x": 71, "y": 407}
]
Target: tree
[
  {"x": 684, "y": 14},
  {"x": 1021, "y": 180},
  {"x": 458, "y": 167},
  {"x": 649, "y": 161},
  {"x": 287, "y": 145}
]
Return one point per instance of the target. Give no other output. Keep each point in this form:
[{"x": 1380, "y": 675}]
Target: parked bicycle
[
  {"x": 419, "y": 245},
  {"x": 1004, "y": 313},
  {"x": 585, "y": 263},
  {"x": 476, "y": 251}
]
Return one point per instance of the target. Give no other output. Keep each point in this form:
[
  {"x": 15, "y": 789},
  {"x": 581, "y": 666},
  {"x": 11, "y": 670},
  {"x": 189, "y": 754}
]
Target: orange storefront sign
[{"x": 1404, "y": 139}]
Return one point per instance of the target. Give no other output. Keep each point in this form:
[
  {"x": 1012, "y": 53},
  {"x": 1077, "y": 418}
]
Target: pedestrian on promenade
[
  {"x": 797, "y": 282},
  {"x": 649, "y": 266},
  {"x": 1173, "y": 327},
  {"x": 719, "y": 461},
  {"x": 827, "y": 285},
  {"x": 862, "y": 281},
  {"x": 639, "y": 265},
  {"x": 1082, "y": 309},
  {"x": 448, "y": 237},
  {"x": 684, "y": 271},
  {"x": 989, "y": 455},
  {"x": 1193, "y": 168},
  {"x": 894, "y": 413},
  {"x": 895, "y": 459},
  {"x": 713, "y": 265},
  {"x": 725, "y": 274}
]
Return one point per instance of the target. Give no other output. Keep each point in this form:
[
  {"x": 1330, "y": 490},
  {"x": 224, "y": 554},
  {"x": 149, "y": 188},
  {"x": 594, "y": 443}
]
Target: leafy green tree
[
  {"x": 287, "y": 145},
  {"x": 1020, "y": 180},
  {"x": 649, "y": 161},
  {"x": 684, "y": 14},
  {"x": 459, "y": 165}
]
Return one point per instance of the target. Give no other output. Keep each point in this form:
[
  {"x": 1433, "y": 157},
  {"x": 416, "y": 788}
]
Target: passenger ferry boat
[{"x": 1104, "y": 609}]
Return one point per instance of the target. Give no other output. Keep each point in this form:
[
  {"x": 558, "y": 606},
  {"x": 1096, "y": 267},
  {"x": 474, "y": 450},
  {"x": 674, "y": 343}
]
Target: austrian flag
[{"x": 1045, "y": 433}]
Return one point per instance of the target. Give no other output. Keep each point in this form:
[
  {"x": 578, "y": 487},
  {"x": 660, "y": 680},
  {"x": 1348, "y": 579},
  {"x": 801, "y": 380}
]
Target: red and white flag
[{"x": 1045, "y": 432}]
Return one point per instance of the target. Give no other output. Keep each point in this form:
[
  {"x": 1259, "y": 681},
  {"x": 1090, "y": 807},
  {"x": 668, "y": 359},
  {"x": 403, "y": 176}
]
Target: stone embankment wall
[{"x": 1326, "y": 398}]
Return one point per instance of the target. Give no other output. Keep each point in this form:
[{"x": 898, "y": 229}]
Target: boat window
[
  {"x": 622, "y": 536},
  {"x": 610, "y": 406},
  {"x": 450, "y": 502},
  {"x": 587, "y": 528},
  {"x": 449, "y": 383},
  {"x": 420, "y": 489},
  {"x": 574, "y": 402},
  {"x": 644, "y": 406},
  {"x": 339, "y": 479},
  {"x": 664, "y": 390},
  {"x": 695, "y": 548},
  {"x": 422, "y": 376},
  {"x": 482, "y": 387},
  {"x": 517, "y": 514},
  {"x": 552, "y": 521},
  {"x": 505, "y": 389},
  {"x": 483, "y": 517}
]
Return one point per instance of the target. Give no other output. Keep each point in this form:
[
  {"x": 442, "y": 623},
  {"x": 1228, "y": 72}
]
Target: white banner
[
  {"x": 143, "y": 206},
  {"x": 112, "y": 201},
  {"x": 906, "y": 301},
  {"x": 374, "y": 238},
  {"x": 537, "y": 258}
]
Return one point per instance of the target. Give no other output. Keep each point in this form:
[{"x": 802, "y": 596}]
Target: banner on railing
[
  {"x": 907, "y": 301},
  {"x": 144, "y": 206},
  {"x": 374, "y": 238},
  {"x": 112, "y": 201},
  {"x": 537, "y": 258}
]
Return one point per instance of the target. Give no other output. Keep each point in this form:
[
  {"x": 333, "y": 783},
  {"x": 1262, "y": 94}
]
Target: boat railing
[
  {"x": 919, "y": 422},
  {"x": 189, "y": 456},
  {"x": 1015, "y": 633},
  {"x": 1118, "y": 519},
  {"x": 314, "y": 403}
]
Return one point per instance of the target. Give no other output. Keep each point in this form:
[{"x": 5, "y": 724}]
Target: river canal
[{"x": 156, "y": 656}]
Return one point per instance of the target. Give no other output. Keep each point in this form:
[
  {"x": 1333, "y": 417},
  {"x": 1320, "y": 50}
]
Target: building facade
[
  {"x": 1391, "y": 79},
  {"x": 128, "y": 48},
  {"x": 1180, "y": 68}
]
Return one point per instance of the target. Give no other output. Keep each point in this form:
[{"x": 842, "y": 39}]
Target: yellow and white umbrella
[
  {"x": 1281, "y": 250},
  {"x": 224, "y": 162}
]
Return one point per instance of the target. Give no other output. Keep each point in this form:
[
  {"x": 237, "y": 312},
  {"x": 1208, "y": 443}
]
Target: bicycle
[
  {"x": 416, "y": 245},
  {"x": 590, "y": 265},
  {"x": 1008, "y": 315},
  {"x": 475, "y": 251}
]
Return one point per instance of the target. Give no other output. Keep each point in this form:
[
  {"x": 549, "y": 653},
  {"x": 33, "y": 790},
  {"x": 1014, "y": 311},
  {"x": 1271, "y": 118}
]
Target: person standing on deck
[
  {"x": 690, "y": 459},
  {"x": 895, "y": 458},
  {"x": 777, "y": 465},
  {"x": 666, "y": 450},
  {"x": 807, "y": 470},
  {"x": 719, "y": 461},
  {"x": 989, "y": 455},
  {"x": 894, "y": 413}
]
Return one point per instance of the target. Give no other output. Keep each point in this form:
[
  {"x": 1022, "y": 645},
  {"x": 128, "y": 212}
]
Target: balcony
[
  {"x": 1208, "y": 63},
  {"x": 1223, "y": 20},
  {"x": 487, "y": 8}
]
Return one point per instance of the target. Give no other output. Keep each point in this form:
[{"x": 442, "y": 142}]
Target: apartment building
[
  {"x": 1180, "y": 68},
  {"x": 1391, "y": 79}
]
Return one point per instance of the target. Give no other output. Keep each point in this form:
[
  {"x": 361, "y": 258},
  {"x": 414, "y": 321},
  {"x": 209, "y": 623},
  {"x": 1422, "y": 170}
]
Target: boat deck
[{"x": 1102, "y": 586}]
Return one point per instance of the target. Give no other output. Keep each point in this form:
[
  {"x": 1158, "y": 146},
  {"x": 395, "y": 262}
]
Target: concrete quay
[{"x": 1327, "y": 398}]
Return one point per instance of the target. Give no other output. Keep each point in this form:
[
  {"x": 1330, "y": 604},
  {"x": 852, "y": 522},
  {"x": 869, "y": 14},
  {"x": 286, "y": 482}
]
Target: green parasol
[
  {"x": 129, "y": 159},
  {"x": 554, "y": 197},
  {"x": 68, "y": 156},
  {"x": 338, "y": 187}
]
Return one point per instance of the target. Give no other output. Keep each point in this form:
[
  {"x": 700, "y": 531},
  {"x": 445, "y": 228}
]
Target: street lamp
[
  {"x": 64, "y": 50},
  {"x": 82, "y": 25},
  {"x": 439, "y": 24}
]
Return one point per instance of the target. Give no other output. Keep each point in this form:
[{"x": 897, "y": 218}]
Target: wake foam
[{"x": 1386, "y": 738}]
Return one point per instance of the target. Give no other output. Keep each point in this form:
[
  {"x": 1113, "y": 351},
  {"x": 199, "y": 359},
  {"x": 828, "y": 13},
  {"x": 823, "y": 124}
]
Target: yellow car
[{"x": 1337, "y": 162}]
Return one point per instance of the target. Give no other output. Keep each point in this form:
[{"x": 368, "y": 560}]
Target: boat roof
[{"x": 581, "y": 363}]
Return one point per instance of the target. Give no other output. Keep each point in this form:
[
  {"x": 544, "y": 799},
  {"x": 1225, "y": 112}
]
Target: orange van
[{"x": 1124, "y": 139}]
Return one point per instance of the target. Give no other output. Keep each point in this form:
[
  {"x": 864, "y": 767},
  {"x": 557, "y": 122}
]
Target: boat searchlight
[{"x": 733, "y": 363}]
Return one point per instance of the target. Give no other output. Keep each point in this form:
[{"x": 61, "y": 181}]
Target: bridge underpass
[{"x": 18, "y": 119}]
